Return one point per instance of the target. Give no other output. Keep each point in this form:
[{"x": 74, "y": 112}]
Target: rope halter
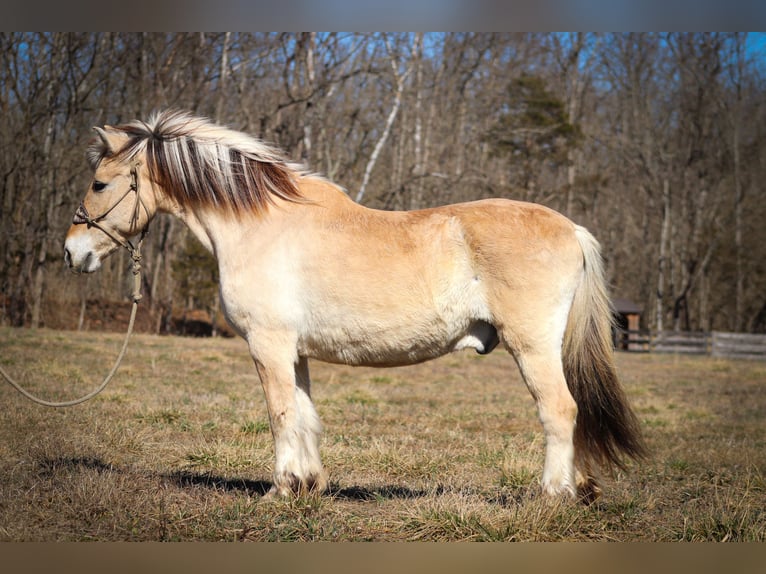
[{"x": 82, "y": 217}]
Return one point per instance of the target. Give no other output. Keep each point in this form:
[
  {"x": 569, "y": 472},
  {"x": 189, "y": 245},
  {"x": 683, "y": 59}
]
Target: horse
[{"x": 307, "y": 273}]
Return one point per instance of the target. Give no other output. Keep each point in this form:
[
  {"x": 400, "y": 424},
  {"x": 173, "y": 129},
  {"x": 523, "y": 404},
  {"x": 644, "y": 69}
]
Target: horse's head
[
  {"x": 117, "y": 206},
  {"x": 178, "y": 163}
]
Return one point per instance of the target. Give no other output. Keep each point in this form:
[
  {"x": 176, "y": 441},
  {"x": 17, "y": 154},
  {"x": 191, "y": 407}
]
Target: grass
[{"x": 178, "y": 448}]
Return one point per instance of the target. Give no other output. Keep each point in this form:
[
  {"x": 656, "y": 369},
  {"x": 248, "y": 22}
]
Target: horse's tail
[{"x": 606, "y": 429}]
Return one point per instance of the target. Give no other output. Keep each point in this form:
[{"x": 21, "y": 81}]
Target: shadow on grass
[
  {"x": 186, "y": 479},
  {"x": 209, "y": 480},
  {"x": 49, "y": 466},
  {"x": 261, "y": 487},
  {"x": 182, "y": 479},
  {"x": 363, "y": 493}
]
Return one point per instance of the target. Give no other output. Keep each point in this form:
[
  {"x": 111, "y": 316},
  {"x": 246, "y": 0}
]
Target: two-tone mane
[{"x": 199, "y": 163}]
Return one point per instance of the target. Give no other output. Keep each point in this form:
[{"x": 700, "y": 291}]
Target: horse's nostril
[{"x": 67, "y": 257}]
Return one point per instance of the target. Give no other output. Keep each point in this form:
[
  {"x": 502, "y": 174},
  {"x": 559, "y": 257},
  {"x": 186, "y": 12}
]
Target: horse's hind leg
[
  {"x": 544, "y": 377},
  {"x": 295, "y": 425}
]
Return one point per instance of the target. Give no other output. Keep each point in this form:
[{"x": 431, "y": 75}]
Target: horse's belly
[{"x": 398, "y": 345}]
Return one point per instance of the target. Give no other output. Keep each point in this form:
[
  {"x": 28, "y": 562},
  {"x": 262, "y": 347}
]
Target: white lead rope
[{"x": 136, "y": 255}]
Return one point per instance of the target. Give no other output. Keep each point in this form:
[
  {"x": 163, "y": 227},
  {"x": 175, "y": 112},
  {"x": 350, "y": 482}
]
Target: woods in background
[{"x": 653, "y": 141}]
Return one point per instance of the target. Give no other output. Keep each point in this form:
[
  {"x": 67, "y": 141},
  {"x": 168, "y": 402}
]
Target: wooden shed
[{"x": 627, "y": 318}]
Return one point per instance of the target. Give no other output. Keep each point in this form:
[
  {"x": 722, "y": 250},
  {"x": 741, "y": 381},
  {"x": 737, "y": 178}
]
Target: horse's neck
[
  {"x": 319, "y": 190},
  {"x": 201, "y": 229},
  {"x": 219, "y": 231}
]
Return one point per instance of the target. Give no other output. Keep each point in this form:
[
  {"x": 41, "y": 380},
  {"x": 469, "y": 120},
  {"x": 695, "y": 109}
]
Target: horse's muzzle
[{"x": 78, "y": 263}]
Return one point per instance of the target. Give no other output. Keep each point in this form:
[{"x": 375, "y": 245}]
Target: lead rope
[{"x": 135, "y": 254}]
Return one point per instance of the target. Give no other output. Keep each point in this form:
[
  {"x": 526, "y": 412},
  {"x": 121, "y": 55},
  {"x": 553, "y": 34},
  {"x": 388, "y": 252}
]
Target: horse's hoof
[{"x": 589, "y": 491}]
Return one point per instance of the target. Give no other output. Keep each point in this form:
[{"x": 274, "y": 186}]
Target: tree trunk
[
  {"x": 662, "y": 261},
  {"x": 45, "y": 200},
  {"x": 418, "y": 169},
  {"x": 222, "y": 95},
  {"x": 400, "y": 81}
]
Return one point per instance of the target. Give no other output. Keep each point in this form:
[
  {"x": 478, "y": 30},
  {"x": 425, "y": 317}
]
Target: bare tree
[
  {"x": 665, "y": 169},
  {"x": 401, "y": 69}
]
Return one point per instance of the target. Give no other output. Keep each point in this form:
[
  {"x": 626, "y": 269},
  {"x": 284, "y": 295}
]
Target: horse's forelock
[{"x": 95, "y": 153}]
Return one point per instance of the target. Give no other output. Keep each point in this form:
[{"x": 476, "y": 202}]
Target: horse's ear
[{"x": 109, "y": 146}]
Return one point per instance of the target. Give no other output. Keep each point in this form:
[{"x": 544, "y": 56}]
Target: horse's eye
[{"x": 99, "y": 186}]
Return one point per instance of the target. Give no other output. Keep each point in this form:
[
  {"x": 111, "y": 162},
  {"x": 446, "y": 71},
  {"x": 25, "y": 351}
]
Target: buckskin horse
[{"x": 305, "y": 272}]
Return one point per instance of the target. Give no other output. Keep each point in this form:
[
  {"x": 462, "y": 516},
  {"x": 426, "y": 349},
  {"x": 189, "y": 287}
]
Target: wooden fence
[
  {"x": 681, "y": 343},
  {"x": 739, "y": 345},
  {"x": 716, "y": 343}
]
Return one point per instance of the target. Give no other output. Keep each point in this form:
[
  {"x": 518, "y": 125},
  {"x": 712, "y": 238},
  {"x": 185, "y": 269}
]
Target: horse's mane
[{"x": 201, "y": 164}]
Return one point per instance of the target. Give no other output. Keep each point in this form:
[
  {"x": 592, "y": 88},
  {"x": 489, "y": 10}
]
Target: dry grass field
[{"x": 178, "y": 448}]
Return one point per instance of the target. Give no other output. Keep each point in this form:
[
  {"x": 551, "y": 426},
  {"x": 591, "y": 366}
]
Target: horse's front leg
[{"x": 295, "y": 424}]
